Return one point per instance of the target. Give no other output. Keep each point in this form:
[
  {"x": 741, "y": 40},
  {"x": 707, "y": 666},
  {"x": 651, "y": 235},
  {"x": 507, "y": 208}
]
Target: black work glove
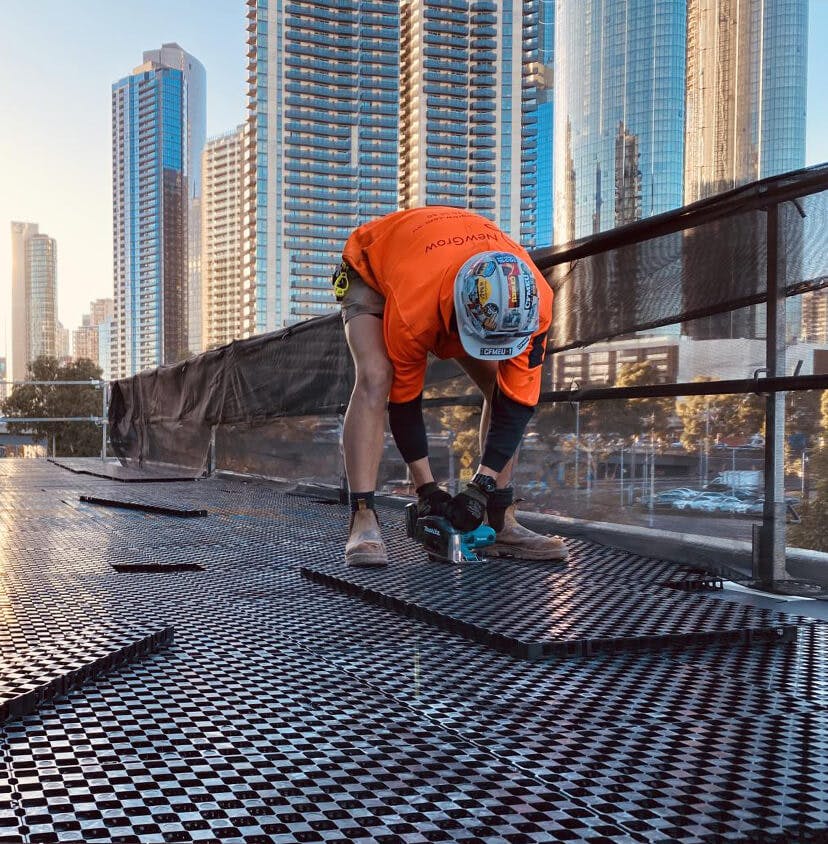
[
  {"x": 467, "y": 509},
  {"x": 431, "y": 500}
]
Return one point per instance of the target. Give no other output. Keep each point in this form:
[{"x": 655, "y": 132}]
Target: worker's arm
[{"x": 513, "y": 403}]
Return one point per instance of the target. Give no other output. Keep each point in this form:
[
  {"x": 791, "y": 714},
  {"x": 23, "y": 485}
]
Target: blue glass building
[
  {"x": 359, "y": 109},
  {"x": 746, "y": 92},
  {"x": 746, "y": 105},
  {"x": 149, "y": 190},
  {"x": 619, "y": 112},
  {"x": 195, "y": 130}
]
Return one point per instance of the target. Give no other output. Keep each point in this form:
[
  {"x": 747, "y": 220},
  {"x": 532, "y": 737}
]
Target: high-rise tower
[
  {"x": 545, "y": 74},
  {"x": 746, "y": 103},
  {"x": 619, "y": 112},
  {"x": 468, "y": 108},
  {"x": 20, "y": 234},
  {"x": 151, "y": 185},
  {"x": 34, "y": 297},
  {"x": 746, "y": 92},
  {"x": 323, "y": 89},
  {"x": 358, "y": 109},
  {"x": 41, "y": 297},
  {"x": 195, "y": 131},
  {"x": 221, "y": 231}
]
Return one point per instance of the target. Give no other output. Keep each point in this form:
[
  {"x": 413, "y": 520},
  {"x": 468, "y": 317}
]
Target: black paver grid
[
  {"x": 537, "y": 610},
  {"x": 113, "y": 470},
  {"x": 285, "y": 711}
]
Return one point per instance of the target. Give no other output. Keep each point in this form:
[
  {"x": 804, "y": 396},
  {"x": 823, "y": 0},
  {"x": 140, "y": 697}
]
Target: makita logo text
[
  {"x": 488, "y": 353},
  {"x": 459, "y": 240},
  {"x": 431, "y": 530}
]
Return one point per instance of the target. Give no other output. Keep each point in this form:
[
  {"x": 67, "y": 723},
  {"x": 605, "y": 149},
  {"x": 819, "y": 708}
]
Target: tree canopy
[
  {"x": 75, "y": 439},
  {"x": 812, "y": 531},
  {"x": 736, "y": 416}
]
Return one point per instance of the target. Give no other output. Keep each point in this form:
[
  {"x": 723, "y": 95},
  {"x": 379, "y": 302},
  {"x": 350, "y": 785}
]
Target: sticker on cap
[{"x": 484, "y": 290}]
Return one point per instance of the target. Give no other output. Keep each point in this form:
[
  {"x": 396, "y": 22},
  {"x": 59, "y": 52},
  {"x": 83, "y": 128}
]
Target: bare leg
[
  {"x": 363, "y": 431},
  {"x": 364, "y": 425}
]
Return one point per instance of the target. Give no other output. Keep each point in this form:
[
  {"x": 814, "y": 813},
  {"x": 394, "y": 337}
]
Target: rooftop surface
[{"x": 175, "y": 679}]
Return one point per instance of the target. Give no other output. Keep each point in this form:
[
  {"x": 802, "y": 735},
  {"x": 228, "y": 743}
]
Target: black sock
[
  {"x": 362, "y": 501},
  {"x": 497, "y": 505}
]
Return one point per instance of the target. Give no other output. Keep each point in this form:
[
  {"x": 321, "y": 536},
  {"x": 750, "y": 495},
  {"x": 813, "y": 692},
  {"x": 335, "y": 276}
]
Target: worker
[{"x": 445, "y": 281}]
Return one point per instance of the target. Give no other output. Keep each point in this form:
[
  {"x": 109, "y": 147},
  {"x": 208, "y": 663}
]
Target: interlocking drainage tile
[
  {"x": 35, "y": 675},
  {"x": 534, "y": 611},
  {"x": 144, "y": 506},
  {"x": 114, "y": 471},
  {"x": 290, "y": 712},
  {"x": 160, "y": 567}
]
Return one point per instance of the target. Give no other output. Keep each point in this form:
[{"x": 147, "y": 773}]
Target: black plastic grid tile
[
  {"x": 125, "y": 474},
  {"x": 145, "y": 506},
  {"x": 387, "y": 728},
  {"x": 35, "y": 675},
  {"x": 534, "y": 612}
]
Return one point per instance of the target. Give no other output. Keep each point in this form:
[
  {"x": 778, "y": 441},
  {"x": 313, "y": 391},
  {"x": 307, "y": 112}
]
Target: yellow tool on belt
[{"x": 340, "y": 281}]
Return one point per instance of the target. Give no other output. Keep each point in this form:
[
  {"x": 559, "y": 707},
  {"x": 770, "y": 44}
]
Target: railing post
[
  {"x": 104, "y": 419},
  {"x": 770, "y": 560}
]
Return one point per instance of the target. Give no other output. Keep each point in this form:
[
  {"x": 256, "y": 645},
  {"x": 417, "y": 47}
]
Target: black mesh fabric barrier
[
  {"x": 166, "y": 415},
  {"x": 694, "y": 263},
  {"x": 707, "y": 258}
]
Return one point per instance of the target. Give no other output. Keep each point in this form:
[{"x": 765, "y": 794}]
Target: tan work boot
[
  {"x": 365, "y": 548},
  {"x": 517, "y": 541}
]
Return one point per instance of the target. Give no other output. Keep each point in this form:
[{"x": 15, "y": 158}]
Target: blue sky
[{"x": 58, "y": 59}]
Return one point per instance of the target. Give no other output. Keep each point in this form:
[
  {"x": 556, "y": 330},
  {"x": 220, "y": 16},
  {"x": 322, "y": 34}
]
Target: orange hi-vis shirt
[{"x": 411, "y": 257}]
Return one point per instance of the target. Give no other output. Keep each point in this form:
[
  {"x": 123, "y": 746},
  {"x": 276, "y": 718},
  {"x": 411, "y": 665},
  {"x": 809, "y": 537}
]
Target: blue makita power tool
[{"x": 444, "y": 542}]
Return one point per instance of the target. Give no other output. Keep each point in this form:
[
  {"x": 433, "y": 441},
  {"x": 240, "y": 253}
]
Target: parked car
[
  {"x": 728, "y": 504},
  {"x": 664, "y": 500},
  {"x": 698, "y": 501},
  {"x": 681, "y": 492},
  {"x": 757, "y": 507},
  {"x": 745, "y": 495}
]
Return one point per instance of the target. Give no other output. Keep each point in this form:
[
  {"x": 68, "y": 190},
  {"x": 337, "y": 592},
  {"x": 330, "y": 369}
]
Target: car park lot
[{"x": 689, "y": 501}]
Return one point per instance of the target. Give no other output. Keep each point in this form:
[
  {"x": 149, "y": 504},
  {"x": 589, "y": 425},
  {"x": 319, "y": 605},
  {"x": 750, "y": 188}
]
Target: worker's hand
[
  {"x": 467, "y": 509},
  {"x": 431, "y": 500}
]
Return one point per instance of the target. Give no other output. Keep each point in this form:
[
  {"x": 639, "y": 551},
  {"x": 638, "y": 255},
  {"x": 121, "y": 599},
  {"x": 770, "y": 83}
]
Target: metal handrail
[
  {"x": 96, "y": 419},
  {"x": 91, "y": 383},
  {"x": 102, "y": 420},
  {"x": 760, "y": 386}
]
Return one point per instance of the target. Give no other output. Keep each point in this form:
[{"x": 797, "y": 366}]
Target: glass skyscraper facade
[
  {"x": 150, "y": 211},
  {"x": 746, "y": 92},
  {"x": 195, "y": 136},
  {"x": 41, "y": 297},
  {"x": 746, "y": 105},
  {"x": 359, "y": 109},
  {"x": 619, "y": 112}
]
